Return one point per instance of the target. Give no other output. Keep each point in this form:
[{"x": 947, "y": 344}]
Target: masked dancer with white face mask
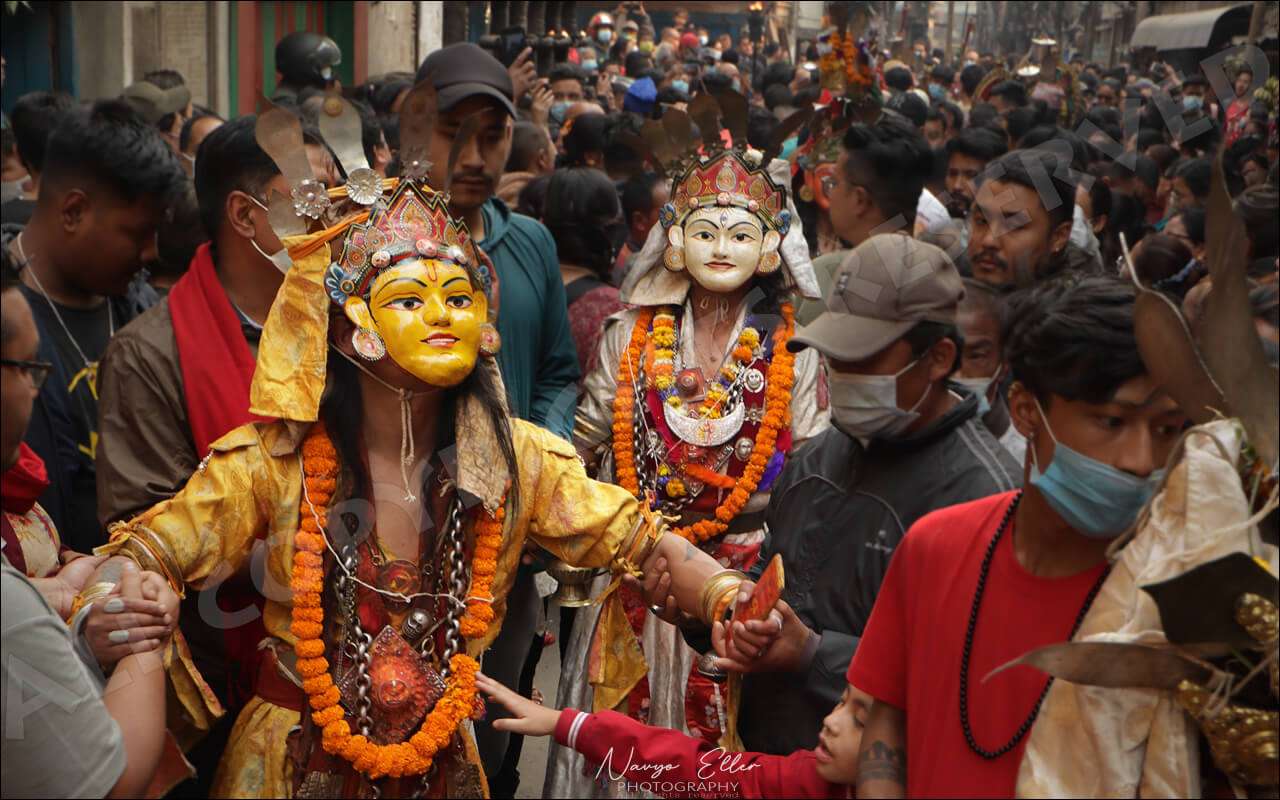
[
  {"x": 904, "y": 442},
  {"x": 698, "y": 402}
]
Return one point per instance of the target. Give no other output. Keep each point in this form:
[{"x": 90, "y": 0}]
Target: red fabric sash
[
  {"x": 217, "y": 364},
  {"x": 23, "y": 483}
]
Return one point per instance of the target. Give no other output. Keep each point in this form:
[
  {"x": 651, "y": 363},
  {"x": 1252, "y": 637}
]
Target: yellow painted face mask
[{"x": 430, "y": 317}]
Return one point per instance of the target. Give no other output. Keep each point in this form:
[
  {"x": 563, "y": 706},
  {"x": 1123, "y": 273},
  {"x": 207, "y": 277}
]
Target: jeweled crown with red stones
[
  {"x": 414, "y": 223},
  {"x": 730, "y": 178}
]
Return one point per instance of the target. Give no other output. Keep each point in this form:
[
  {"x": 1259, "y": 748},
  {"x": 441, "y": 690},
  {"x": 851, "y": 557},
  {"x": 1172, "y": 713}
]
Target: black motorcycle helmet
[{"x": 304, "y": 58}]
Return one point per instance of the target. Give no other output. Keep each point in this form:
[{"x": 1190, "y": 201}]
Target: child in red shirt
[{"x": 670, "y": 764}]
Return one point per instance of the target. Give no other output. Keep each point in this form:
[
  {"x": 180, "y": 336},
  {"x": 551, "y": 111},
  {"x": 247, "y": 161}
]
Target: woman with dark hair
[
  {"x": 583, "y": 214},
  {"x": 1165, "y": 264}
]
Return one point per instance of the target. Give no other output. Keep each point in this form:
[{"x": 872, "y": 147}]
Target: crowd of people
[{"x": 301, "y": 408}]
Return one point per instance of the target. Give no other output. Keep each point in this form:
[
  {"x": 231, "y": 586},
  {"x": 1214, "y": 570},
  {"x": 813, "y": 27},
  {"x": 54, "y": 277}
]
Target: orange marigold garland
[
  {"x": 777, "y": 416},
  {"x": 414, "y": 757},
  {"x": 624, "y": 449}
]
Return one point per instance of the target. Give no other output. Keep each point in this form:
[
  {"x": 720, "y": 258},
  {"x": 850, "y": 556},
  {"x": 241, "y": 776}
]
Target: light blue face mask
[
  {"x": 590, "y": 66},
  {"x": 680, "y": 86},
  {"x": 1192, "y": 102},
  {"x": 1096, "y": 499},
  {"x": 937, "y": 92},
  {"x": 557, "y": 112}
]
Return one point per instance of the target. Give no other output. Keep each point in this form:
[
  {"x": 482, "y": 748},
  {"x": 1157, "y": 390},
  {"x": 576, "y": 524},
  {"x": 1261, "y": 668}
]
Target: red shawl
[
  {"x": 20, "y": 486},
  {"x": 217, "y": 364}
]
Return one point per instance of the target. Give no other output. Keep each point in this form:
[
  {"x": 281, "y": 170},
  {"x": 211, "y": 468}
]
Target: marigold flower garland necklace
[
  {"x": 413, "y": 757},
  {"x": 776, "y": 417}
]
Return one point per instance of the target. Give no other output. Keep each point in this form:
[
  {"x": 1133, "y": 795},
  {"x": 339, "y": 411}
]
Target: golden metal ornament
[{"x": 1244, "y": 741}]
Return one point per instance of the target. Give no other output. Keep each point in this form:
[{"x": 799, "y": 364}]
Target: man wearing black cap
[{"x": 538, "y": 361}]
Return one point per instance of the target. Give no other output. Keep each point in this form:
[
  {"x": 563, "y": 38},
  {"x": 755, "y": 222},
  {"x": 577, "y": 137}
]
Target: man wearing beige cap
[{"x": 904, "y": 443}]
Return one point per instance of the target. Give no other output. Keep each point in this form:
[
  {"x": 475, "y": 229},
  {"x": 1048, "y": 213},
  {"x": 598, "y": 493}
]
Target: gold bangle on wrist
[
  {"x": 722, "y": 606},
  {"x": 89, "y": 595},
  {"x": 714, "y": 590}
]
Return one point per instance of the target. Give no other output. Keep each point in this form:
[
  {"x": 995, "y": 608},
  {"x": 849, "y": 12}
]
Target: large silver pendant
[{"x": 705, "y": 432}]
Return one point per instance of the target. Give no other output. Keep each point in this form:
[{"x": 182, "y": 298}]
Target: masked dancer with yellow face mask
[
  {"x": 391, "y": 489},
  {"x": 695, "y": 405}
]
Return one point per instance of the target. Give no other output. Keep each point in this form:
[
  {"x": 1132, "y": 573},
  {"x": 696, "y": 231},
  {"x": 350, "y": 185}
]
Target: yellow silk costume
[{"x": 250, "y": 488}]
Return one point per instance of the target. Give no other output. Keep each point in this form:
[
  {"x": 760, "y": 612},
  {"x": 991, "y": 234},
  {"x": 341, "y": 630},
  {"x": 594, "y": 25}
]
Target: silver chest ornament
[
  {"x": 753, "y": 380},
  {"x": 705, "y": 432},
  {"x": 743, "y": 448}
]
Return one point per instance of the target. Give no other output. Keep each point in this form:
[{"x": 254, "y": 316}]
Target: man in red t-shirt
[{"x": 974, "y": 586}]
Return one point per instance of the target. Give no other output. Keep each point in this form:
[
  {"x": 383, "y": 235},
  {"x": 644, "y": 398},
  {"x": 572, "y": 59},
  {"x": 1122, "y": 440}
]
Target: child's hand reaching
[{"x": 527, "y": 716}]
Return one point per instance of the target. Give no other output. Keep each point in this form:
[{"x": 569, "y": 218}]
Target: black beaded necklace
[{"x": 968, "y": 645}]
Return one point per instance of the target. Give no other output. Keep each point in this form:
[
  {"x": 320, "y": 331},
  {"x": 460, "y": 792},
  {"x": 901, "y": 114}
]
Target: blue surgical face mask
[
  {"x": 1096, "y": 499},
  {"x": 590, "y": 66},
  {"x": 604, "y": 36},
  {"x": 557, "y": 112},
  {"x": 1192, "y": 102},
  {"x": 937, "y": 92},
  {"x": 737, "y": 85},
  {"x": 680, "y": 85}
]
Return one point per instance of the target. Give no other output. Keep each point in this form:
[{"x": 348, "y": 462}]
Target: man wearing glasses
[{"x": 31, "y": 543}]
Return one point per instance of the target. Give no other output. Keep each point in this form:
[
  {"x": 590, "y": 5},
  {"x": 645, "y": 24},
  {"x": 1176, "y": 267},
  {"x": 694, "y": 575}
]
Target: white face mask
[
  {"x": 280, "y": 260},
  {"x": 866, "y": 406},
  {"x": 980, "y": 387}
]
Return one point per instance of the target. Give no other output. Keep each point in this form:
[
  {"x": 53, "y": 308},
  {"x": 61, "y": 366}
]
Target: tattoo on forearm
[{"x": 880, "y": 762}]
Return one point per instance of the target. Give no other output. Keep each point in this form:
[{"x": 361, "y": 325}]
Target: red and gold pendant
[{"x": 403, "y": 688}]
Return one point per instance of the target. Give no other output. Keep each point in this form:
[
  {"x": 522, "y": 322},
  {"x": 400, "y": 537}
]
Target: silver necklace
[{"x": 111, "y": 321}]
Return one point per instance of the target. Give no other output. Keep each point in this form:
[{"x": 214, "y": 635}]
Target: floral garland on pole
[
  {"x": 413, "y": 757},
  {"x": 777, "y": 416}
]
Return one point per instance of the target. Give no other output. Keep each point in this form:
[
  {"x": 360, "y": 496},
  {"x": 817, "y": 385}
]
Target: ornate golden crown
[
  {"x": 728, "y": 179},
  {"x": 706, "y": 170}
]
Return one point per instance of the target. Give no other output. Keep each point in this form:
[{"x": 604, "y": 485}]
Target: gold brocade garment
[{"x": 250, "y": 489}]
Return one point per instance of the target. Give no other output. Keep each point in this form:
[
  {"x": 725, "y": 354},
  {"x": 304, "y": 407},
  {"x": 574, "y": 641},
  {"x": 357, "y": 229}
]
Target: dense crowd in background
[{"x": 115, "y": 200}]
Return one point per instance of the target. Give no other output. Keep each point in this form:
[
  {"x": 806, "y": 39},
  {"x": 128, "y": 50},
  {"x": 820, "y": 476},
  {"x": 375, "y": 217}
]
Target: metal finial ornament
[
  {"x": 310, "y": 198},
  {"x": 418, "y": 112},
  {"x": 279, "y": 134},
  {"x": 340, "y": 126},
  {"x": 364, "y": 186}
]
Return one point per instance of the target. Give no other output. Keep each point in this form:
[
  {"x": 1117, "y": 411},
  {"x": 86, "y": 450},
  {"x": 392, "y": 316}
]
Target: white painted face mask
[
  {"x": 280, "y": 260},
  {"x": 866, "y": 406}
]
